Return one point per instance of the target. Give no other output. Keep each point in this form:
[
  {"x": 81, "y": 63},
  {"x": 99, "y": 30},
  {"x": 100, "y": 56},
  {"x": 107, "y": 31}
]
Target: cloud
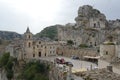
[
  {"x": 11, "y": 20},
  {"x": 16, "y": 16}
]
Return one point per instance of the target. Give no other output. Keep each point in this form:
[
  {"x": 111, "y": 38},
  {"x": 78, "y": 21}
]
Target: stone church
[{"x": 31, "y": 48}]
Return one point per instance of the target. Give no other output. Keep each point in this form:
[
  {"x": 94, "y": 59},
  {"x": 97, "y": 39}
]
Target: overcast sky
[{"x": 16, "y": 15}]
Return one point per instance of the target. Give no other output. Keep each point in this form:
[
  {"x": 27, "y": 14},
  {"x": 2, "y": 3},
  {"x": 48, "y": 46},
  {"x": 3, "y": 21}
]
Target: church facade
[{"x": 31, "y": 48}]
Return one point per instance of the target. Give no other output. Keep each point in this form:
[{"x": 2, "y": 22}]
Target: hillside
[
  {"x": 7, "y": 35},
  {"x": 49, "y": 32}
]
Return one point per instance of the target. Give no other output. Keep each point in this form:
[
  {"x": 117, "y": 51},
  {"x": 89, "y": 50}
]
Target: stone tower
[{"x": 28, "y": 44}]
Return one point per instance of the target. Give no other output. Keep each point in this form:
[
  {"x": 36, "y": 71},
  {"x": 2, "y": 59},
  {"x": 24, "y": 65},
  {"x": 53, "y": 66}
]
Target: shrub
[{"x": 83, "y": 46}]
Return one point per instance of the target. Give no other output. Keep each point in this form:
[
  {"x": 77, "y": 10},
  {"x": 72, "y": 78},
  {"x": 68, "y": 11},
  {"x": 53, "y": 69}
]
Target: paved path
[{"x": 77, "y": 64}]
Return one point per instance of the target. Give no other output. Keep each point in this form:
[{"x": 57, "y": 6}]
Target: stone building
[
  {"x": 31, "y": 48},
  {"x": 110, "y": 56},
  {"x": 91, "y": 28},
  {"x": 87, "y": 29}
]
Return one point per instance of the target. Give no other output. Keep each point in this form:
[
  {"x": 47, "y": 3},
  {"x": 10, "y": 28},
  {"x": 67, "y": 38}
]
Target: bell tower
[
  {"x": 28, "y": 35},
  {"x": 28, "y": 43}
]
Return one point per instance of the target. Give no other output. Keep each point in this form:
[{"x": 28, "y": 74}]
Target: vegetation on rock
[
  {"x": 70, "y": 42},
  {"x": 83, "y": 46},
  {"x": 35, "y": 71},
  {"x": 6, "y": 62},
  {"x": 49, "y": 32}
]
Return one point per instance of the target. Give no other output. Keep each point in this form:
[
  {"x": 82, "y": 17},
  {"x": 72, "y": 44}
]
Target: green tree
[
  {"x": 49, "y": 32},
  {"x": 4, "y": 59},
  {"x": 9, "y": 64},
  {"x": 35, "y": 71},
  {"x": 70, "y": 42},
  {"x": 6, "y": 63},
  {"x": 9, "y": 74}
]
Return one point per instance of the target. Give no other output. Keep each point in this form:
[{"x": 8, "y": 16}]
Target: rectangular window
[
  {"x": 106, "y": 52},
  {"x": 39, "y": 54},
  {"x": 45, "y": 54},
  {"x": 39, "y": 42},
  {"x": 37, "y": 46},
  {"x": 33, "y": 55}
]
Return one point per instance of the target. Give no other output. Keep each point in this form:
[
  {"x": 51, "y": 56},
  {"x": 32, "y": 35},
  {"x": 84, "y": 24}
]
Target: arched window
[
  {"x": 29, "y": 44},
  {"x": 29, "y": 36}
]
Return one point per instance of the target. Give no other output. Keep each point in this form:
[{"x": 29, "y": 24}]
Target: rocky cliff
[{"x": 91, "y": 28}]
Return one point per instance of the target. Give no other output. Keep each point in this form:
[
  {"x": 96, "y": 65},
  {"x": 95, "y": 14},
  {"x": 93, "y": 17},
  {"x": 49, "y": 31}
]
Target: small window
[
  {"x": 45, "y": 54},
  {"x": 33, "y": 55},
  {"x": 91, "y": 44},
  {"x": 33, "y": 47},
  {"x": 95, "y": 44},
  {"x": 39, "y": 42},
  {"x": 106, "y": 53},
  {"x": 37, "y": 46},
  {"x": 29, "y": 36},
  {"x": 94, "y": 25},
  {"x": 98, "y": 50},
  {"x": 29, "y": 44},
  {"x": 39, "y": 54}
]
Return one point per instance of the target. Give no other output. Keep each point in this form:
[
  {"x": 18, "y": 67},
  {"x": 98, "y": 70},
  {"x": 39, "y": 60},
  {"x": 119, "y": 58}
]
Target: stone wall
[
  {"x": 80, "y": 52},
  {"x": 108, "y": 51},
  {"x": 104, "y": 64}
]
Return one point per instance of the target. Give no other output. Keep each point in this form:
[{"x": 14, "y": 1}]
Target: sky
[{"x": 17, "y": 15}]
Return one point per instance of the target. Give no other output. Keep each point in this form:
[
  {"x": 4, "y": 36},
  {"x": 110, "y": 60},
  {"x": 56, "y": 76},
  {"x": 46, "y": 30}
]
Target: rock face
[
  {"x": 89, "y": 17},
  {"x": 87, "y": 29},
  {"x": 91, "y": 28},
  {"x": 6, "y": 35}
]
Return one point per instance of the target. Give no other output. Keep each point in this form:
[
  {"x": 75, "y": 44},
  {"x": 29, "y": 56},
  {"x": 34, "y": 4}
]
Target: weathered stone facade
[
  {"x": 110, "y": 55},
  {"x": 69, "y": 51},
  {"x": 31, "y": 48}
]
